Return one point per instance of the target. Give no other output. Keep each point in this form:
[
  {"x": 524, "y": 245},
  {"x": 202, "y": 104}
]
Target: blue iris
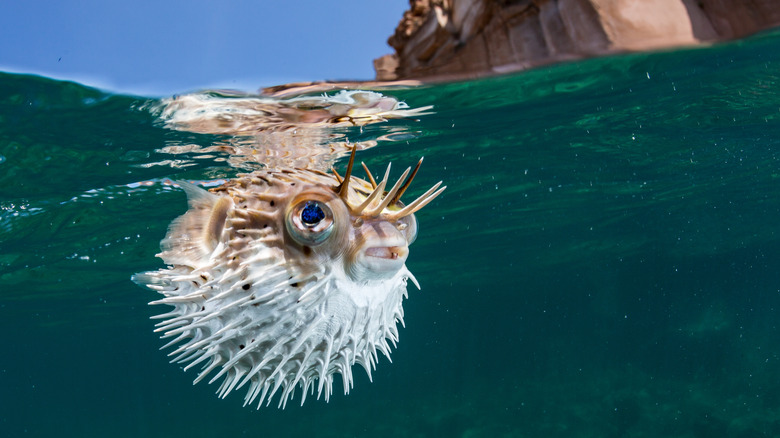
[{"x": 312, "y": 214}]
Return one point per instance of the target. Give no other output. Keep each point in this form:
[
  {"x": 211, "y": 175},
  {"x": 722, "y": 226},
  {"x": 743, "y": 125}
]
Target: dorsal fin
[{"x": 193, "y": 236}]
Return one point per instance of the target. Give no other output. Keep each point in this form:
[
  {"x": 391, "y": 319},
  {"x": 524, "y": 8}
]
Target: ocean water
[{"x": 604, "y": 263}]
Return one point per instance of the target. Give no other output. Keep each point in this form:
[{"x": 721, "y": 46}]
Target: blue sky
[{"x": 159, "y": 47}]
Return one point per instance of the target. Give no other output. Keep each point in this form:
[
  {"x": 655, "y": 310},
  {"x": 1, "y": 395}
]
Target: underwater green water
[{"x": 604, "y": 262}]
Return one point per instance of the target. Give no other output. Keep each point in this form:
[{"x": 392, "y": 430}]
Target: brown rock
[
  {"x": 439, "y": 39},
  {"x": 385, "y": 67}
]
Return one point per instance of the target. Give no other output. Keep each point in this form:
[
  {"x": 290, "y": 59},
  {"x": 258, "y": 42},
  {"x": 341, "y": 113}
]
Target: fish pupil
[{"x": 312, "y": 214}]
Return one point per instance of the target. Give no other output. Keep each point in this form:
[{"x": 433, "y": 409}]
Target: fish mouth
[
  {"x": 382, "y": 253},
  {"x": 378, "y": 260},
  {"x": 382, "y": 261},
  {"x": 388, "y": 252}
]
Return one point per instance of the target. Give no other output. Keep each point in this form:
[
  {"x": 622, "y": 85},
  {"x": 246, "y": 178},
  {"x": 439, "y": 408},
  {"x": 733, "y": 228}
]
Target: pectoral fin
[{"x": 193, "y": 236}]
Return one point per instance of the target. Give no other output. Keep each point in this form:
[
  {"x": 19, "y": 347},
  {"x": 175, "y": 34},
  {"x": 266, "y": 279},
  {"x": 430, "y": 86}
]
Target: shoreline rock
[{"x": 460, "y": 39}]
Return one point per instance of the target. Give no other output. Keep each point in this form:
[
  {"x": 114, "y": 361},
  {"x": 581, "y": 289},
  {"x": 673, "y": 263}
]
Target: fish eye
[
  {"x": 310, "y": 222},
  {"x": 312, "y": 213}
]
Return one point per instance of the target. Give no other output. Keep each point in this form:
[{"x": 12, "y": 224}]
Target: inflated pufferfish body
[{"x": 282, "y": 278}]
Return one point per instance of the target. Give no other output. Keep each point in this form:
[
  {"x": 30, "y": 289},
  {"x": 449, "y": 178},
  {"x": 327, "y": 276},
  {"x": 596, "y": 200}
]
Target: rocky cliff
[{"x": 466, "y": 38}]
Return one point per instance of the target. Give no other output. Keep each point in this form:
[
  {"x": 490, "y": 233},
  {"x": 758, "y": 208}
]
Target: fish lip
[
  {"x": 384, "y": 255},
  {"x": 390, "y": 253},
  {"x": 377, "y": 260}
]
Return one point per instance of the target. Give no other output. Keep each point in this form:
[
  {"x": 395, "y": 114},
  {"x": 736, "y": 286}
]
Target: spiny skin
[{"x": 281, "y": 279}]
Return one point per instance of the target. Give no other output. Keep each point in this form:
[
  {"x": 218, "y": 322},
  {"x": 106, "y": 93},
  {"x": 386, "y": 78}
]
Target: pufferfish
[{"x": 281, "y": 279}]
